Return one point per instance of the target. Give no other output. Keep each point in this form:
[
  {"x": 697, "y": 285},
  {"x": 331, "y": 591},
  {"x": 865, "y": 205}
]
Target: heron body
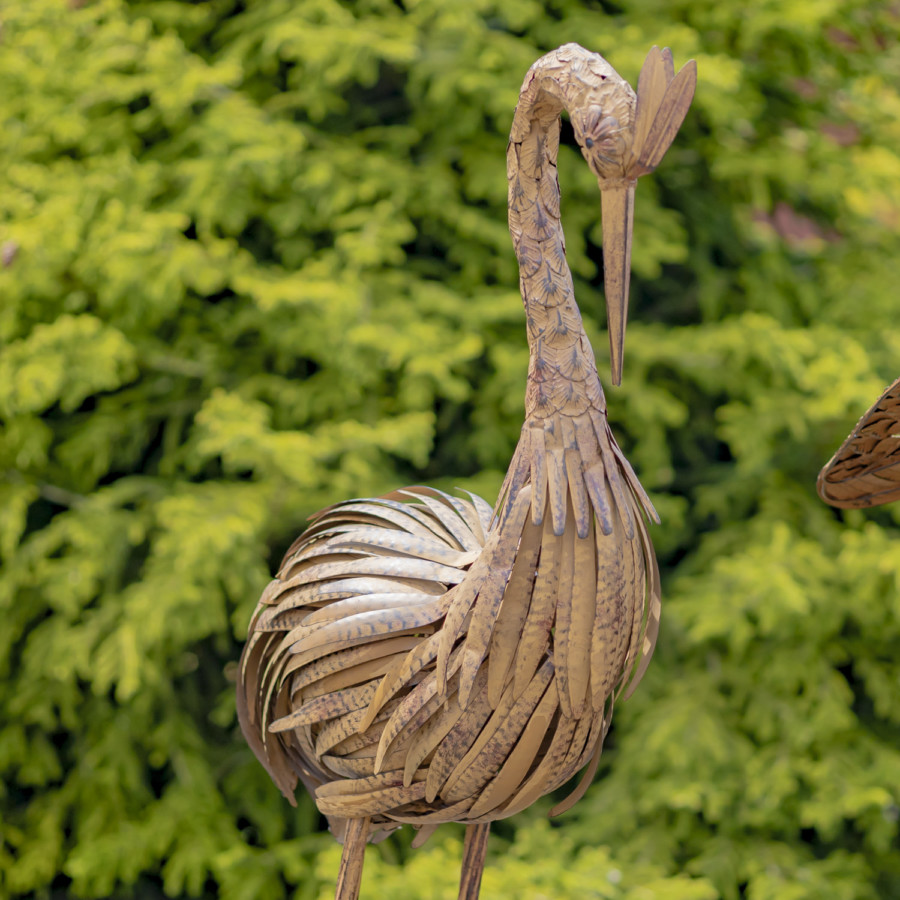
[{"x": 422, "y": 658}]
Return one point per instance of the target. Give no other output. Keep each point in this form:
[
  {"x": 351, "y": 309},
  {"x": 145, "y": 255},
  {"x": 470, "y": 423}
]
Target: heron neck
[{"x": 562, "y": 374}]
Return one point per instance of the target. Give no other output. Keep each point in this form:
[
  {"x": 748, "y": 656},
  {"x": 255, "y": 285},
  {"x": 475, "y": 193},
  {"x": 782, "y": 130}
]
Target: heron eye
[{"x": 588, "y": 143}]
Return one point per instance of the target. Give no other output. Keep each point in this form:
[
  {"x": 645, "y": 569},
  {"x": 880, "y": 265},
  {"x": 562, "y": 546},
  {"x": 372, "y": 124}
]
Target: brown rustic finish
[{"x": 865, "y": 471}]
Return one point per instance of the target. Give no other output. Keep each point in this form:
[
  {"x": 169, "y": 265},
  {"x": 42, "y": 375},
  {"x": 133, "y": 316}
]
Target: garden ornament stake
[
  {"x": 422, "y": 658},
  {"x": 865, "y": 471}
]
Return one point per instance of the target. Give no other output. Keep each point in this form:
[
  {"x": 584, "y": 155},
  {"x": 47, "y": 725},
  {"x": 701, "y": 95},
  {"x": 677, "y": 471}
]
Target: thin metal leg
[
  {"x": 352, "y": 858},
  {"x": 474, "y": 852}
]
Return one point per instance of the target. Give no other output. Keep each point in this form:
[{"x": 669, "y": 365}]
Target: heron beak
[{"x": 617, "y": 214}]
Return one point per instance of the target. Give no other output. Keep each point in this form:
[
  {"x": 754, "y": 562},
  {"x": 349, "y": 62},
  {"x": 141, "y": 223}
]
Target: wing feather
[
  {"x": 505, "y": 639},
  {"x": 490, "y": 595},
  {"x": 539, "y": 620},
  {"x": 563, "y": 623},
  {"x": 488, "y": 753},
  {"x": 521, "y": 759},
  {"x": 538, "y": 473}
]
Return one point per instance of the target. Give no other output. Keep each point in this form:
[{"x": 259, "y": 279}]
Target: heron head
[{"x": 624, "y": 135}]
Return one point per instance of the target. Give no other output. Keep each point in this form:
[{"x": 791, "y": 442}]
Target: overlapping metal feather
[
  {"x": 418, "y": 661},
  {"x": 423, "y": 658},
  {"x": 865, "y": 471}
]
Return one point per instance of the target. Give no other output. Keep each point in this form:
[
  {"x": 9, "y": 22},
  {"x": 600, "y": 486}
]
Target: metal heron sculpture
[{"x": 421, "y": 658}]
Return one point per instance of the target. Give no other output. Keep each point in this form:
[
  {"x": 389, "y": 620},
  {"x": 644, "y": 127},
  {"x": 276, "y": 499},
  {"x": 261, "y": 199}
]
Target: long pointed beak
[{"x": 617, "y": 214}]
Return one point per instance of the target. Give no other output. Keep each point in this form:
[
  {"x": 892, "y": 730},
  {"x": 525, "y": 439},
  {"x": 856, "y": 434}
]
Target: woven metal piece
[
  {"x": 865, "y": 471},
  {"x": 422, "y": 658}
]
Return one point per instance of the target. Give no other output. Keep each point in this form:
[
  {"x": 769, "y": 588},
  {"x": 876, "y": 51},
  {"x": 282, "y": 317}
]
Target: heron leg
[
  {"x": 474, "y": 852},
  {"x": 352, "y": 857}
]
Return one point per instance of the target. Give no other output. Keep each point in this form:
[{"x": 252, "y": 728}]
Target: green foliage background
[{"x": 255, "y": 260}]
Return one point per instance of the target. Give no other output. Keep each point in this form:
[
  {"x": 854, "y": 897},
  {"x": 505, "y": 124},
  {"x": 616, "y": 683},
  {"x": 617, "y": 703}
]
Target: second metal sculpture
[
  {"x": 421, "y": 658},
  {"x": 865, "y": 471}
]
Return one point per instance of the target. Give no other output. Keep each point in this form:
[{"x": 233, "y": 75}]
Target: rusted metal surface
[
  {"x": 424, "y": 658},
  {"x": 865, "y": 471}
]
